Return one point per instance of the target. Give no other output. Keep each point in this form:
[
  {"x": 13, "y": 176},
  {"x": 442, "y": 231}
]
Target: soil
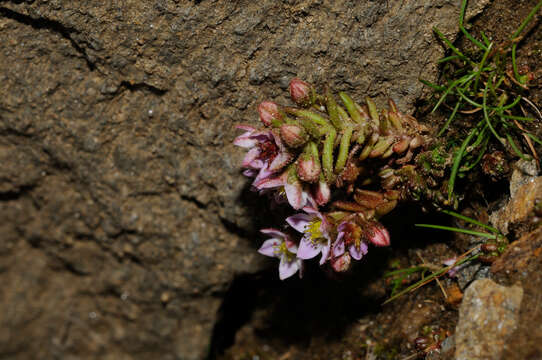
[{"x": 128, "y": 231}]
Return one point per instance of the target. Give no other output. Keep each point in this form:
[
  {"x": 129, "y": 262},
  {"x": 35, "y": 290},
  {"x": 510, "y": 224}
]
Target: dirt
[{"x": 128, "y": 231}]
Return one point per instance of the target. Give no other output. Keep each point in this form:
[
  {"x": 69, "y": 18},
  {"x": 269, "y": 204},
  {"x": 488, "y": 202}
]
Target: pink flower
[
  {"x": 266, "y": 152},
  {"x": 280, "y": 246},
  {"x": 349, "y": 236},
  {"x": 289, "y": 186},
  {"x": 315, "y": 229}
]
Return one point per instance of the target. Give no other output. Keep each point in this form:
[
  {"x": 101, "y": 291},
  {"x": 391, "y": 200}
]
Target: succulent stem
[{"x": 343, "y": 149}]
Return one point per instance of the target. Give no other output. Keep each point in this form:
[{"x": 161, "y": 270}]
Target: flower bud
[
  {"x": 300, "y": 92},
  {"x": 269, "y": 113},
  {"x": 378, "y": 235},
  {"x": 341, "y": 263},
  {"x": 308, "y": 168},
  {"x": 293, "y": 135},
  {"x": 322, "y": 193}
]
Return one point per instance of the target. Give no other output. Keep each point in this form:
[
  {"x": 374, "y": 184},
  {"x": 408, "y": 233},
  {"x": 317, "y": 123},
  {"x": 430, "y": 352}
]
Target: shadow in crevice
[{"x": 323, "y": 304}]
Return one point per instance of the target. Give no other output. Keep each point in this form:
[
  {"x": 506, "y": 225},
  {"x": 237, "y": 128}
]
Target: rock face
[
  {"x": 487, "y": 317},
  {"x": 525, "y": 193},
  {"x": 522, "y": 262},
  {"x": 122, "y": 210}
]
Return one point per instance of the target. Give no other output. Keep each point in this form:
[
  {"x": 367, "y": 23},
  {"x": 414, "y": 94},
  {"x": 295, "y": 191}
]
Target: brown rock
[
  {"x": 487, "y": 317},
  {"x": 119, "y": 181},
  {"x": 523, "y": 262},
  {"x": 517, "y": 216}
]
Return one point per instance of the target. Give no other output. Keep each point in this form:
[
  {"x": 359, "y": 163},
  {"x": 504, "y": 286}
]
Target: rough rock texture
[
  {"x": 487, "y": 317},
  {"x": 122, "y": 211},
  {"x": 523, "y": 262},
  {"x": 525, "y": 193}
]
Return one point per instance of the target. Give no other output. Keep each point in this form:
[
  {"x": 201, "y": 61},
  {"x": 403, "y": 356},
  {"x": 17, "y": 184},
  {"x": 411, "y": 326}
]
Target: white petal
[
  {"x": 299, "y": 221},
  {"x": 325, "y": 252},
  {"x": 287, "y": 268},
  {"x": 269, "y": 246},
  {"x": 308, "y": 249},
  {"x": 274, "y": 232},
  {"x": 294, "y": 194}
]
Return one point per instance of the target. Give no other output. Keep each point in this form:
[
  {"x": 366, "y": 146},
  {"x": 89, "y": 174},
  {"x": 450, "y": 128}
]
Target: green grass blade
[
  {"x": 451, "y": 46},
  {"x": 459, "y": 230},
  {"x": 429, "y": 278},
  {"x": 478, "y": 158},
  {"x": 457, "y": 162},
  {"x": 520, "y": 118},
  {"x": 449, "y": 121},
  {"x": 469, "y": 100},
  {"x": 434, "y": 86},
  {"x": 470, "y": 220},
  {"x": 534, "y": 138},
  {"x": 515, "y": 147},
  {"x": 484, "y": 37},
  {"x": 462, "y": 80},
  {"x": 462, "y": 28},
  {"x": 511, "y": 105},
  {"x": 447, "y": 58},
  {"x": 486, "y": 117},
  {"x": 527, "y": 20},
  {"x": 481, "y": 67}
]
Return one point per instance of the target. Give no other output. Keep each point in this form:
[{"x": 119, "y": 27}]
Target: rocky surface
[
  {"x": 487, "y": 317},
  {"x": 525, "y": 197},
  {"x": 522, "y": 263},
  {"x": 123, "y": 214}
]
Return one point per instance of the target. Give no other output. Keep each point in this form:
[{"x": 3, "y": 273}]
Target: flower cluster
[{"x": 343, "y": 165}]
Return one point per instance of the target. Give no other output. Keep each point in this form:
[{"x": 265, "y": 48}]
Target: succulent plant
[{"x": 345, "y": 165}]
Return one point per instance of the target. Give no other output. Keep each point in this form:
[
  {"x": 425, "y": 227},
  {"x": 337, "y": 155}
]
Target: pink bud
[
  {"x": 269, "y": 112},
  {"x": 341, "y": 263},
  {"x": 300, "y": 92},
  {"x": 308, "y": 168},
  {"x": 379, "y": 236},
  {"x": 293, "y": 135},
  {"x": 323, "y": 193}
]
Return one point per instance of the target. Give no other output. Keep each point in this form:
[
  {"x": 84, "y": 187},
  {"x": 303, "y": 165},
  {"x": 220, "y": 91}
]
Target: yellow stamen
[{"x": 314, "y": 229}]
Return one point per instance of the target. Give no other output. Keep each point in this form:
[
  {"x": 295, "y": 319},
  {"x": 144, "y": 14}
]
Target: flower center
[
  {"x": 352, "y": 235},
  {"x": 268, "y": 150},
  {"x": 283, "y": 249},
  {"x": 313, "y": 228}
]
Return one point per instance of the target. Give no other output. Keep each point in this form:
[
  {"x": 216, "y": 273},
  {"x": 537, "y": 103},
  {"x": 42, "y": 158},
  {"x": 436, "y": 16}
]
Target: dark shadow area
[{"x": 324, "y": 303}]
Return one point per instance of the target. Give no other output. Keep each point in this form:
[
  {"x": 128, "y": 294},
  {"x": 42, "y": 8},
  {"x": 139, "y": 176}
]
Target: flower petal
[
  {"x": 308, "y": 249},
  {"x": 287, "y": 268},
  {"x": 325, "y": 252},
  {"x": 281, "y": 160},
  {"x": 245, "y": 140},
  {"x": 250, "y": 172},
  {"x": 251, "y": 159},
  {"x": 358, "y": 254},
  {"x": 247, "y": 128},
  {"x": 338, "y": 247},
  {"x": 299, "y": 221},
  {"x": 294, "y": 193},
  {"x": 274, "y": 233},
  {"x": 269, "y": 247},
  {"x": 267, "y": 182},
  {"x": 291, "y": 246}
]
